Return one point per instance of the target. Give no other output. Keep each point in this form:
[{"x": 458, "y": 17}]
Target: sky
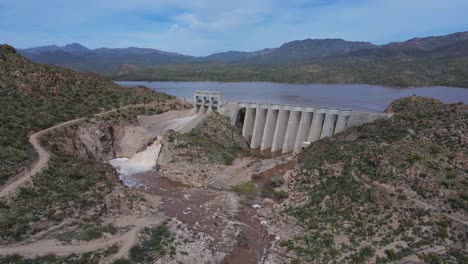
[{"x": 203, "y": 27}]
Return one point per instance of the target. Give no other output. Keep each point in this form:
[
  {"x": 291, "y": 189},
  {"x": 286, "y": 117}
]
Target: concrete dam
[{"x": 282, "y": 128}]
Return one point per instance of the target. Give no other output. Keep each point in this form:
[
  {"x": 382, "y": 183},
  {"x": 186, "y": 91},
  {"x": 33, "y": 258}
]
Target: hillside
[
  {"x": 439, "y": 60},
  {"x": 303, "y": 51},
  {"x": 391, "y": 72},
  {"x": 418, "y": 62},
  {"x": 429, "y": 47},
  {"x": 103, "y": 60},
  {"x": 235, "y": 56},
  {"x": 391, "y": 191},
  {"x": 34, "y": 97}
]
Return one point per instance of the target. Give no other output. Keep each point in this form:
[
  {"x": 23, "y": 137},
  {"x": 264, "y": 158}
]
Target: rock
[
  {"x": 130, "y": 139},
  {"x": 96, "y": 142},
  {"x": 256, "y": 206},
  {"x": 268, "y": 202},
  {"x": 263, "y": 213}
]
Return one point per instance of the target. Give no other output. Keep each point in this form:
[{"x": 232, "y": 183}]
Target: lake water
[{"x": 344, "y": 96}]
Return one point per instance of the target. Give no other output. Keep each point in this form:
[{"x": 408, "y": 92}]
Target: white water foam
[{"x": 138, "y": 163}]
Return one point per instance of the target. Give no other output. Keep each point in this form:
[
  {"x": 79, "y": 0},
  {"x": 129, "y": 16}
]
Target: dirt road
[
  {"x": 125, "y": 241},
  {"x": 39, "y": 164}
]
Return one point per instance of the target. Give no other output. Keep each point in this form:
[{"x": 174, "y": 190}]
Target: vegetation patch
[
  {"x": 35, "y": 97},
  {"x": 247, "y": 188},
  {"x": 86, "y": 258},
  {"x": 362, "y": 191},
  {"x": 68, "y": 187},
  {"x": 88, "y": 231},
  {"x": 391, "y": 72},
  {"x": 154, "y": 243},
  {"x": 213, "y": 140}
]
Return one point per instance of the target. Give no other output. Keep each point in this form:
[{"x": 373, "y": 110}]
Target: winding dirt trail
[
  {"x": 125, "y": 241},
  {"x": 37, "y": 165}
]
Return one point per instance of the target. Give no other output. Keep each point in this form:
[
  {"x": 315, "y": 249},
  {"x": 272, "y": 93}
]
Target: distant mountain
[
  {"x": 72, "y": 48},
  {"x": 235, "y": 56},
  {"x": 448, "y": 45},
  {"x": 113, "y": 62},
  {"x": 103, "y": 60},
  {"x": 300, "y": 51},
  {"x": 428, "y": 43}
]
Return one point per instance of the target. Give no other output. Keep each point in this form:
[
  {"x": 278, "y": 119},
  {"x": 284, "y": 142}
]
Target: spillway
[{"x": 285, "y": 128}]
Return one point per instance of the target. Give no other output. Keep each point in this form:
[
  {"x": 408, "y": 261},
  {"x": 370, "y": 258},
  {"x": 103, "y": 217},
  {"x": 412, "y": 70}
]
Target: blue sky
[{"x": 202, "y": 27}]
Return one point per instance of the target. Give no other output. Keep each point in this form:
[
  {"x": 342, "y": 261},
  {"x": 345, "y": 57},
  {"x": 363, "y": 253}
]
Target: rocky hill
[
  {"x": 391, "y": 191},
  {"x": 303, "y": 51},
  {"x": 214, "y": 140},
  {"x": 428, "y": 61},
  {"x": 103, "y": 60},
  {"x": 34, "y": 97}
]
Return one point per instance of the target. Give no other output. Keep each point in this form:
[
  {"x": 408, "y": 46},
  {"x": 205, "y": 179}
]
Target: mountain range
[{"x": 333, "y": 56}]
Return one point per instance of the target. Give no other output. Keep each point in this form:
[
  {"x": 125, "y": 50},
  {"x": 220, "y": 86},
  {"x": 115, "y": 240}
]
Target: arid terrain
[{"x": 391, "y": 191}]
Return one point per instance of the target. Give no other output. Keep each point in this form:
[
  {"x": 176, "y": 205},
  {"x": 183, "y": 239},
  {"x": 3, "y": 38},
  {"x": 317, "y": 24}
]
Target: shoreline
[{"x": 286, "y": 83}]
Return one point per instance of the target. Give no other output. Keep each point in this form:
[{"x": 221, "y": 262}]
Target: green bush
[
  {"x": 158, "y": 243},
  {"x": 277, "y": 181},
  {"x": 245, "y": 188}
]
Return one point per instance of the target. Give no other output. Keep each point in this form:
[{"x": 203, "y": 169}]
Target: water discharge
[
  {"x": 204, "y": 209},
  {"x": 140, "y": 162}
]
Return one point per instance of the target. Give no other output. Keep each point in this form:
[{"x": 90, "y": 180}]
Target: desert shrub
[
  {"x": 245, "y": 188},
  {"x": 158, "y": 242},
  {"x": 277, "y": 181}
]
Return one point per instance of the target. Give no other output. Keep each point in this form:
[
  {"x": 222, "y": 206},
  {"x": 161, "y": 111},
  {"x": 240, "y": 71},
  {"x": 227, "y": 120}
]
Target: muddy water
[
  {"x": 195, "y": 207},
  {"x": 205, "y": 209},
  {"x": 263, "y": 178},
  {"x": 266, "y": 153},
  {"x": 254, "y": 240}
]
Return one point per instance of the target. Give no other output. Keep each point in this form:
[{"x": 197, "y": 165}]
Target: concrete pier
[
  {"x": 291, "y": 131},
  {"x": 303, "y": 130},
  {"x": 342, "y": 121},
  {"x": 202, "y": 110},
  {"x": 249, "y": 122},
  {"x": 259, "y": 126},
  {"x": 270, "y": 125},
  {"x": 329, "y": 123},
  {"x": 280, "y": 130},
  {"x": 316, "y": 126}
]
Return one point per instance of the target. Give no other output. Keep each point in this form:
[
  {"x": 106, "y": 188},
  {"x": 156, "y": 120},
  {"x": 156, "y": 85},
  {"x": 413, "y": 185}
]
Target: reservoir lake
[{"x": 344, "y": 96}]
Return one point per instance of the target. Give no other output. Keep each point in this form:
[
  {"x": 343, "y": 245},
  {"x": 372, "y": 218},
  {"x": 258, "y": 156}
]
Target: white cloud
[{"x": 200, "y": 27}]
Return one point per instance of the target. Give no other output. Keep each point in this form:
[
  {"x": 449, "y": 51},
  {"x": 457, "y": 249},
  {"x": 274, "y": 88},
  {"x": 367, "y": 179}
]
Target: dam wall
[
  {"x": 288, "y": 128},
  {"x": 283, "y": 128}
]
